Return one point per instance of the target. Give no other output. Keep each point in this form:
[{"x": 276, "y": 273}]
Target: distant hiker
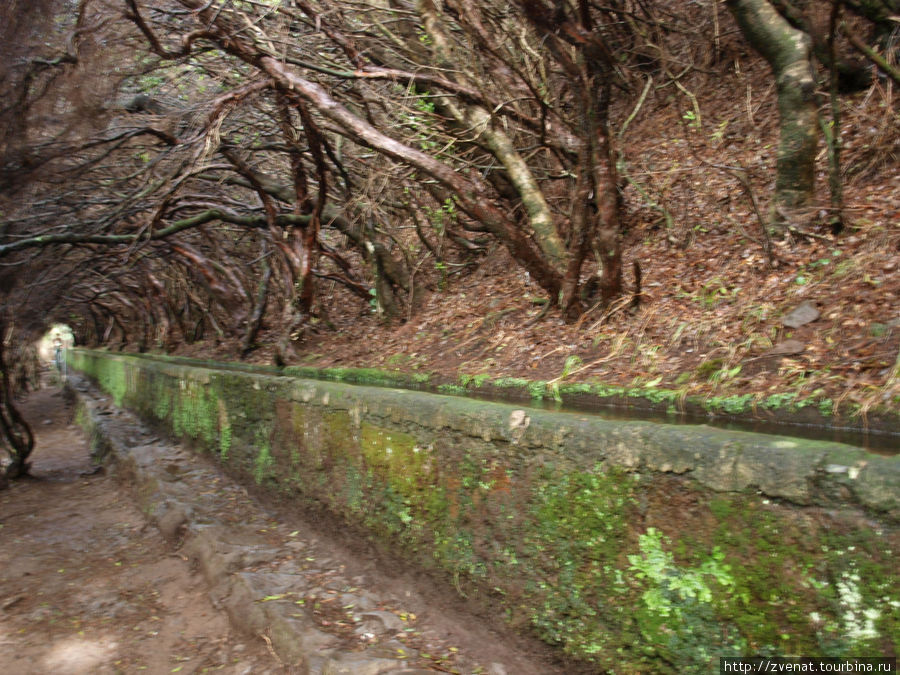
[{"x": 59, "y": 359}]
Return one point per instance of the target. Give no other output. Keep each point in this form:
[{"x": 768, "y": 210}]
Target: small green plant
[
  {"x": 441, "y": 217},
  {"x": 424, "y": 105},
  {"x": 670, "y": 585},
  {"x": 708, "y": 368},
  {"x": 480, "y": 379},
  {"x": 725, "y": 374},
  {"x": 510, "y": 382},
  {"x": 441, "y": 267},
  {"x": 692, "y": 119},
  {"x": 572, "y": 363},
  {"x": 538, "y": 389},
  {"x": 716, "y": 291},
  {"x": 733, "y": 405},
  {"x": 475, "y": 380},
  {"x": 719, "y": 134},
  {"x": 399, "y": 359},
  {"x": 678, "y": 617},
  {"x": 776, "y": 401}
]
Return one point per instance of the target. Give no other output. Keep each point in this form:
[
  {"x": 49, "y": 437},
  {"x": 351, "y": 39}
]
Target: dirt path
[{"x": 86, "y": 586}]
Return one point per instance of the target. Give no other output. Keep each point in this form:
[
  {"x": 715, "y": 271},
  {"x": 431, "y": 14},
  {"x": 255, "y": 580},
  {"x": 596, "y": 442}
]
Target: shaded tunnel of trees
[{"x": 173, "y": 171}]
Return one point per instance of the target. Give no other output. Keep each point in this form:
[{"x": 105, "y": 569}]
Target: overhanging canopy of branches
[{"x": 174, "y": 169}]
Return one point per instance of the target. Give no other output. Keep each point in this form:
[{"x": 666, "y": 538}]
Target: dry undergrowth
[{"x": 710, "y": 320}]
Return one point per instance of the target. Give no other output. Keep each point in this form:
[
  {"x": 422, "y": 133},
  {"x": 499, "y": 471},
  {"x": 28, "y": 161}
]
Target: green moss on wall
[
  {"x": 368, "y": 376},
  {"x": 336, "y": 428},
  {"x": 776, "y": 582},
  {"x": 111, "y": 376},
  {"x": 573, "y": 551},
  {"x": 224, "y": 430},
  {"x": 162, "y": 403},
  {"x": 394, "y": 456},
  {"x": 263, "y": 463},
  {"x": 632, "y": 573}
]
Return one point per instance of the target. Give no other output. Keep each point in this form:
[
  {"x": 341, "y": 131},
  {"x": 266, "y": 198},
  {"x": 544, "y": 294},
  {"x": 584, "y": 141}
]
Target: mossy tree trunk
[
  {"x": 488, "y": 131},
  {"x": 787, "y": 50}
]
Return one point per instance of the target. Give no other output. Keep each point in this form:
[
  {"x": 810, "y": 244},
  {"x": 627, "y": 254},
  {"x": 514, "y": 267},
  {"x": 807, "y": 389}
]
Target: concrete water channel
[
  {"x": 632, "y": 546},
  {"x": 779, "y": 414}
]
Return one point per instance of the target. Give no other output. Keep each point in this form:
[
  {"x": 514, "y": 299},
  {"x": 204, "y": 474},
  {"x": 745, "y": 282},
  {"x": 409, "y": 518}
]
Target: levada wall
[{"x": 636, "y": 546}]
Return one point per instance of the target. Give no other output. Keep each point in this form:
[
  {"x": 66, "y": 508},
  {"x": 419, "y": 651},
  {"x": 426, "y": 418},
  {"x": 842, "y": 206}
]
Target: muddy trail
[{"x": 89, "y": 584}]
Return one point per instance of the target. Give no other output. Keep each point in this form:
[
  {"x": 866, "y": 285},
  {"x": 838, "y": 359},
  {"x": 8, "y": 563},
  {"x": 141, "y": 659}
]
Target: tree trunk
[
  {"x": 259, "y": 308},
  {"x": 17, "y": 435},
  {"x": 480, "y": 121},
  {"x": 787, "y": 51}
]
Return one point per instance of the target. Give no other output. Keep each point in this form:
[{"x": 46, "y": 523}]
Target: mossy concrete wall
[{"x": 636, "y": 546}]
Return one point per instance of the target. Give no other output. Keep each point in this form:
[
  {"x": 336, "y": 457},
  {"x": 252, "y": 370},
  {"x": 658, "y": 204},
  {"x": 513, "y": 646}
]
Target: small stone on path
[
  {"x": 786, "y": 348},
  {"x": 801, "y": 315}
]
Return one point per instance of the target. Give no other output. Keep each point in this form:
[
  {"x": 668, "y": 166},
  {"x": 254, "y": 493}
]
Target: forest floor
[{"x": 713, "y": 302}]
